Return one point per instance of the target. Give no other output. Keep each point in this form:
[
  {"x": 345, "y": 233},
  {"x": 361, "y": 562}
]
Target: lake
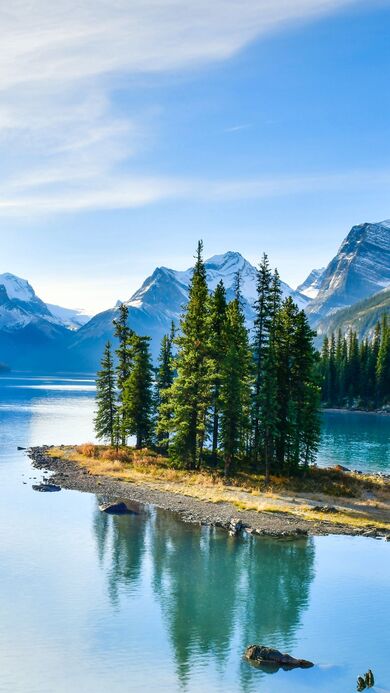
[{"x": 90, "y": 602}]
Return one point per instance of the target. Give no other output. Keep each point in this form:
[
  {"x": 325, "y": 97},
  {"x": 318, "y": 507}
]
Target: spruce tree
[
  {"x": 383, "y": 365},
  {"x": 138, "y": 392},
  {"x": 189, "y": 399},
  {"x": 106, "y": 398},
  {"x": 123, "y": 333},
  {"x": 269, "y": 391},
  {"x": 165, "y": 373},
  {"x": 217, "y": 353},
  {"x": 262, "y": 324},
  {"x": 235, "y": 385}
]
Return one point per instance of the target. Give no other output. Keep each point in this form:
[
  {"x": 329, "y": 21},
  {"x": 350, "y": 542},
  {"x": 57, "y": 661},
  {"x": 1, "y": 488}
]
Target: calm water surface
[{"x": 93, "y": 603}]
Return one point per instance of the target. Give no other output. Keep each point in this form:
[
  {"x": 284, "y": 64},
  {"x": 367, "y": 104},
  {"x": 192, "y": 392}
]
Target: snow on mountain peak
[{"x": 17, "y": 288}]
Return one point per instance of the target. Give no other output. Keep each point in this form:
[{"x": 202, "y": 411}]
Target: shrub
[{"x": 88, "y": 450}]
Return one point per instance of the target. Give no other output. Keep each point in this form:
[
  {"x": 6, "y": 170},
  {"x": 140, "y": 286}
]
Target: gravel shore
[{"x": 68, "y": 474}]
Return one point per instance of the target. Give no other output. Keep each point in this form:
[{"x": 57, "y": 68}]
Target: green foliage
[
  {"x": 356, "y": 373},
  {"x": 106, "y": 414},
  {"x": 220, "y": 398},
  {"x": 235, "y": 385},
  {"x": 138, "y": 393},
  {"x": 187, "y": 403}
]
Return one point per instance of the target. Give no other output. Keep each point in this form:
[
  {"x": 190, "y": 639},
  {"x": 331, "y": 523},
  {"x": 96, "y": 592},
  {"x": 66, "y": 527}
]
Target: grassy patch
[{"x": 246, "y": 491}]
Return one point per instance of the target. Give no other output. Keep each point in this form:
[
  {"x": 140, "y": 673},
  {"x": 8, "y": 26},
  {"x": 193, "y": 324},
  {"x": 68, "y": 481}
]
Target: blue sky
[{"x": 130, "y": 130}]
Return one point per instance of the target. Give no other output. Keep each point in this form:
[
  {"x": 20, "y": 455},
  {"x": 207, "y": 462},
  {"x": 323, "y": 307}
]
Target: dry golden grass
[{"x": 246, "y": 491}]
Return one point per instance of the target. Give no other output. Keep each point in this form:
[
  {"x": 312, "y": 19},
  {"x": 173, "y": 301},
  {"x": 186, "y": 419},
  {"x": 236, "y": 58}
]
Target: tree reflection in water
[{"x": 216, "y": 593}]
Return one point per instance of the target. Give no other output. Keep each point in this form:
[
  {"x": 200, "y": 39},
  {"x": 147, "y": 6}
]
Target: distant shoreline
[
  {"x": 381, "y": 412},
  {"x": 70, "y": 474}
]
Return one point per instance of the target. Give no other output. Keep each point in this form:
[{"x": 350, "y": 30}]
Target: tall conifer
[{"x": 106, "y": 398}]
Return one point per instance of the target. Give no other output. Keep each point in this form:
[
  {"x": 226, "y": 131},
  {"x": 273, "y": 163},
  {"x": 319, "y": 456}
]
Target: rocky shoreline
[{"x": 69, "y": 475}]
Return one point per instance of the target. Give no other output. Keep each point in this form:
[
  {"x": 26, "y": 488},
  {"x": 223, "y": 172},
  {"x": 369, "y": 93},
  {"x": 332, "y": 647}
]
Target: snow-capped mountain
[
  {"x": 19, "y": 304},
  {"x": 72, "y": 318},
  {"x": 310, "y": 287},
  {"x": 161, "y": 298},
  {"x": 360, "y": 268},
  {"x": 31, "y": 335}
]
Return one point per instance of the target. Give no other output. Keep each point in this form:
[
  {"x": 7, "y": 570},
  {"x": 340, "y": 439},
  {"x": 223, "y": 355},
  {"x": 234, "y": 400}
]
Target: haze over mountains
[{"x": 35, "y": 335}]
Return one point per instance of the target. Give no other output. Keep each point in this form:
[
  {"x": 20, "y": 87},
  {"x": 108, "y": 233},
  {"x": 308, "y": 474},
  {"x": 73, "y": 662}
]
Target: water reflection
[{"x": 216, "y": 593}]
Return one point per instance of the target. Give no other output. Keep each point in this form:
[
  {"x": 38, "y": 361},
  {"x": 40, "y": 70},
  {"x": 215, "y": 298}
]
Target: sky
[{"x": 129, "y": 129}]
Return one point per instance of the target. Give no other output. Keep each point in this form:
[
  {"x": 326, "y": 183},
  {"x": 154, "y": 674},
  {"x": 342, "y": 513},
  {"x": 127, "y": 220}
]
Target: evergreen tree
[
  {"x": 269, "y": 390},
  {"x": 262, "y": 324},
  {"x": 165, "y": 373},
  {"x": 138, "y": 392},
  {"x": 217, "y": 353},
  {"x": 123, "y": 333},
  {"x": 383, "y": 364},
  {"x": 189, "y": 399},
  {"x": 235, "y": 384},
  {"x": 106, "y": 398},
  {"x": 297, "y": 390}
]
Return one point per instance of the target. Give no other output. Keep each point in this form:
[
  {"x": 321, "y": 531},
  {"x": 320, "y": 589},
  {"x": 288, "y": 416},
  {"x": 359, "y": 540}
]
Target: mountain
[
  {"x": 72, "y": 318},
  {"x": 311, "y": 285},
  {"x": 31, "y": 335},
  {"x": 361, "y": 317},
  {"x": 360, "y": 269},
  {"x": 160, "y": 300}
]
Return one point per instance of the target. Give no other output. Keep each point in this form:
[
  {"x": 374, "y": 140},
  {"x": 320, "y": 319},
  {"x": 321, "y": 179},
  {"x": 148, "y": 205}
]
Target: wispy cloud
[
  {"x": 237, "y": 128},
  {"x": 39, "y": 197},
  {"x": 63, "y": 144}
]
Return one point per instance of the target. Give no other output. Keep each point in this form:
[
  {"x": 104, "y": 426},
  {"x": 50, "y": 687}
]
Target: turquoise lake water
[{"x": 93, "y": 603}]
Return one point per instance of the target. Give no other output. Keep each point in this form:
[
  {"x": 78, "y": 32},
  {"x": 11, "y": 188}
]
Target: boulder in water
[
  {"x": 119, "y": 508},
  {"x": 46, "y": 488},
  {"x": 267, "y": 656}
]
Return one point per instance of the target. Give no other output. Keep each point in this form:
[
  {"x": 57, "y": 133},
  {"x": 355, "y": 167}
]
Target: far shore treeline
[
  {"x": 357, "y": 374},
  {"x": 219, "y": 396}
]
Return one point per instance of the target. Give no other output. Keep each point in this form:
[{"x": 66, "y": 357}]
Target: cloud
[
  {"x": 126, "y": 192},
  {"x": 63, "y": 142}
]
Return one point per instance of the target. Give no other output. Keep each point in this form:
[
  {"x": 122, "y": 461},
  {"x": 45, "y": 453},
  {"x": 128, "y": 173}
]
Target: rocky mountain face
[
  {"x": 310, "y": 287},
  {"x": 160, "y": 300},
  {"x": 31, "y": 335},
  {"x": 360, "y": 269},
  {"x": 361, "y": 317}
]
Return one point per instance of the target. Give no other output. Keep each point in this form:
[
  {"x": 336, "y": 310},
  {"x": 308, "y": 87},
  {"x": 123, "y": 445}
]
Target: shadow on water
[{"x": 216, "y": 593}]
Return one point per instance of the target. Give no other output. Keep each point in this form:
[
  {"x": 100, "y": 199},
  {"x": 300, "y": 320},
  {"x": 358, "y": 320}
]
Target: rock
[
  {"x": 235, "y": 527},
  {"x": 372, "y": 533},
  {"x": 361, "y": 684},
  {"x": 340, "y": 468},
  {"x": 325, "y": 509},
  {"x": 369, "y": 679},
  {"x": 119, "y": 508},
  {"x": 20, "y": 448},
  {"x": 260, "y": 655},
  {"x": 46, "y": 488}
]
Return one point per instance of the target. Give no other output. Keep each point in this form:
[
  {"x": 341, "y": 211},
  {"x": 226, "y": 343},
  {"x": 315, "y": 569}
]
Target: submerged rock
[
  {"x": 46, "y": 488},
  {"x": 116, "y": 509},
  {"x": 260, "y": 655}
]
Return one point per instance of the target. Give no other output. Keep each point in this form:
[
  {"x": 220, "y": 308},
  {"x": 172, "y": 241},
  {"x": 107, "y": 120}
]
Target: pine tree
[
  {"x": 138, "y": 392},
  {"x": 217, "y": 353},
  {"x": 297, "y": 390},
  {"x": 235, "y": 384},
  {"x": 189, "y": 398},
  {"x": 164, "y": 380},
  {"x": 269, "y": 391},
  {"x": 262, "y": 324},
  {"x": 383, "y": 364},
  {"x": 106, "y": 398},
  {"x": 123, "y": 334}
]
